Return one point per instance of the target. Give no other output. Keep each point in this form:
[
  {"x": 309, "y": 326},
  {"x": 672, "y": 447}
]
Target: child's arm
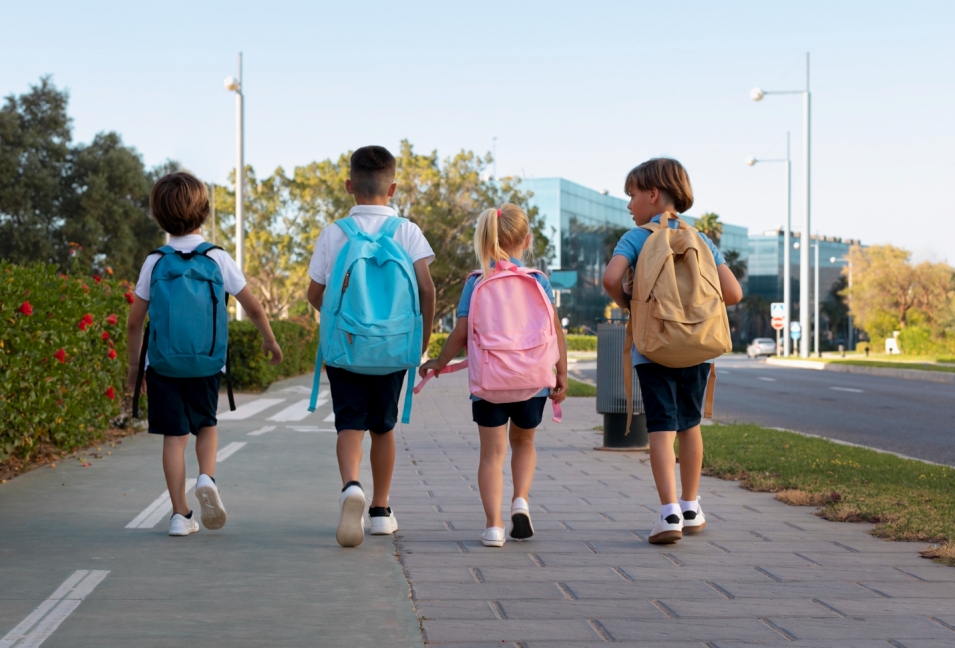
[
  {"x": 257, "y": 316},
  {"x": 316, "y": 294},
  {"x": 729, "y": 286},
  {"x": 134, "y": 342},
  {"x": 452, "y": 346},
  {"x": 426, "y": 295},
  {"x": 613, "y": 280},
  {"x": 559, "y": 393}
]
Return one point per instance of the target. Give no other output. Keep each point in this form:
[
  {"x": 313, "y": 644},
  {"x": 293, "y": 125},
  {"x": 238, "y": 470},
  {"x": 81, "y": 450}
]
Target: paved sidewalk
[{"x": 763, "y": 573}]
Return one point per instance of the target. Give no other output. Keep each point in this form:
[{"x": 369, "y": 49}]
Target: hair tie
[{"x": 498, "y": 213}]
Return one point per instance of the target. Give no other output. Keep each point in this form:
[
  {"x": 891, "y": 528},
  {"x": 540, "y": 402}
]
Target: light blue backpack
[
  {"x": 188, "y": 331},
  {"x": 371, "y": 316}
]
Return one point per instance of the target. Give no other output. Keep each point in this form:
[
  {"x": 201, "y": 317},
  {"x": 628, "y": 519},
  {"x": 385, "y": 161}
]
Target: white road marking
[
  {"x": 250, "y": 409},
  {"x": 297, "y": 389},
  {"x": 52, "y": 612},
  {"x": 296, "y": 411},
  {"x": 848, "y": 389},
  {"x": 262, "y": 430},
  {"x": 308, "y": 428},
  {"x": 152, "y": 514},
  {"x": 767, "y": 379},
  {"x": 229, "y": 450},
  {"x": 329, "y": 419}
]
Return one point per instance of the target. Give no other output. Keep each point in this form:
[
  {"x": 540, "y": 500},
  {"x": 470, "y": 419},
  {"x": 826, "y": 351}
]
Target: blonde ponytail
[{"x": 497, "y": 232}]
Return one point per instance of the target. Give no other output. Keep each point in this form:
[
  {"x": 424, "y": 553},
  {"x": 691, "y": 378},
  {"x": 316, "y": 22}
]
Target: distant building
[{"x": 584, "y": 226}]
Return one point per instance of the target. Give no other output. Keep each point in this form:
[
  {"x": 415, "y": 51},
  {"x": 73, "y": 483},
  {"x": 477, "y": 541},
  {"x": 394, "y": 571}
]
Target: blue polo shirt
[{"x": 629, "y": 247}]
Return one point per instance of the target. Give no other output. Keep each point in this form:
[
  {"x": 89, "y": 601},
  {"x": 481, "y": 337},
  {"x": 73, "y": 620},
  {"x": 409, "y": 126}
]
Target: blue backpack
[
  {"x": 371, "y": 316},
  {"x": 188, "y": 331}
]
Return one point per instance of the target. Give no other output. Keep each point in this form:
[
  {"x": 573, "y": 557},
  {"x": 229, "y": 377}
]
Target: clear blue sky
[{"x": 583, "y": 90}]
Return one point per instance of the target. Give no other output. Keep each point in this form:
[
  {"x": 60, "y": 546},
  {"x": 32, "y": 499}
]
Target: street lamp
[
  {"x": 787, "y": 289},
  {"x": 757, "y": 94},
  {"x": 815, "y": 308},
  {"x": 848, "y": 261},
  {"x": 235, "y": 85}
]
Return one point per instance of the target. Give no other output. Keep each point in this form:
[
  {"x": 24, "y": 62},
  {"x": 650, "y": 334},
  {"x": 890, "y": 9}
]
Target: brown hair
[
  {"x": 497, "y": 230},
  {"x": 667, "y": 176},
  {"x": 372, "y": 171},
  {"x": 179, "y": 203}
]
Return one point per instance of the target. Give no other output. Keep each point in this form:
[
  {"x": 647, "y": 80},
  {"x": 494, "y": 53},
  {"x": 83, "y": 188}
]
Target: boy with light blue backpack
[
  {"x": 184, "y": 288},
  {"x": 376, "y": 320}
]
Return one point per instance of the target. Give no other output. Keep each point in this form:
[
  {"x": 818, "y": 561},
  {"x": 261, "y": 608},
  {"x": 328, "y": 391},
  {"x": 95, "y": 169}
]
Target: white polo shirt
[{"x": 369, "y": 218}]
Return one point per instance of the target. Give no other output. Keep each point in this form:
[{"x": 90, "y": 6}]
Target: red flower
[
  {"x": 109, "y": 270},
  {"x": 86, "y": 288},
  {"x": 105, "y": 335},
  {"x": 112, "y": 354},
  {"x": 111, "y": 319},
  {"x": 25, "y": 308},
  {"x": 82, "y": 325},
  {"x": 88, "y": 318},
  {"x": 111, "y": 393},
  {"x": 60, "y": 355},
  {"x": 129, "y": 297},
  {"x": 97, "y": 278}
]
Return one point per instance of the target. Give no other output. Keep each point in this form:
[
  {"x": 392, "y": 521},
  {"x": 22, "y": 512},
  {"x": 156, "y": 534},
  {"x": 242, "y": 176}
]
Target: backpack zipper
[
  {"x": 345, "y": 283},
  {"x": 215, "y": 304}
]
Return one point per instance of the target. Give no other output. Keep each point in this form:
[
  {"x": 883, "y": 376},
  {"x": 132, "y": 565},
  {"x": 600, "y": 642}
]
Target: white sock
[
  {"x": 692, "y": 505},
  {"x": 669, "y": 509}
]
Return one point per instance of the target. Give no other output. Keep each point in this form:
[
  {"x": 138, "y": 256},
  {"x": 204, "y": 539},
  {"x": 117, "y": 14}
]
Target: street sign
[
  {"x": 795, "y": 330},
  {"x": 779, "y": 323},
  {"x": 777, "y": 309}
]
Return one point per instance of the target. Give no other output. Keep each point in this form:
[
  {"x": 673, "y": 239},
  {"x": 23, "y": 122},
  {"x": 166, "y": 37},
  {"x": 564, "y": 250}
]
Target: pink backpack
[{"x": 512, "y": 342}]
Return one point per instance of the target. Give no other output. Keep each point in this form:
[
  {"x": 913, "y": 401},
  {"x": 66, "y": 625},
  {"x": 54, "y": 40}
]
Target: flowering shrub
[
  {"x": 250, "y": 369},
  {"x": 62, "y": 357}
]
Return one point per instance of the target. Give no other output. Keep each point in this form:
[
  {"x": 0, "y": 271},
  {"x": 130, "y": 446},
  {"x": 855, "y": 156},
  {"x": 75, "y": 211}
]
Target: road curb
[{"x": 906, "y": 374}]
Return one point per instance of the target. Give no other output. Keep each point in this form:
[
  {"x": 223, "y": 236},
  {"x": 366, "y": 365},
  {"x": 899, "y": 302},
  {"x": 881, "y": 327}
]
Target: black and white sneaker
[
  {"x": 521, "y": 527},
  {"x": 694, "y": 521},
  {"x": 383, "y": 520},
  {"x": 351, "y": 520},
  {"x": 667, "y": 530}
]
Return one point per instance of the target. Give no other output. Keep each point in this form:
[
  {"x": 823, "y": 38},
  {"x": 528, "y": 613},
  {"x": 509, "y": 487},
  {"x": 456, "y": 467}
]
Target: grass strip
[
  {"x": 580, "y": 389},
  {"x": 885, "y": 364},
  {"x": 906, "y": 499}
]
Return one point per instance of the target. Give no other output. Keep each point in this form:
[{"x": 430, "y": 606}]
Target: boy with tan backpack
[{"x": 678, "y": 294}]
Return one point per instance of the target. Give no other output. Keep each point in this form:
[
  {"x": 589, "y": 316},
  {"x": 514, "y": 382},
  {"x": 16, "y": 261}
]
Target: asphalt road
[{"x": 910, "y": 417}]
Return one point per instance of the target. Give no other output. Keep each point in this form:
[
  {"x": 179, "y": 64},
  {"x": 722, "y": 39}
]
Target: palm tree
[
  {"x": 709, "y": 223},
  {"x": 736, "y": 265}
]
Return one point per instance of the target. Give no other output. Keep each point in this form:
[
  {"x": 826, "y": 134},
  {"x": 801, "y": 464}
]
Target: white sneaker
[
  {"x": 213, "y": 512},
  {"x": 493, "y": 537},
  {"x": 694, "y": 521},
  {"x": 180, "y": 525},
  {"x": 521, "y": 527},
  {"x": 351, "y": 519},
  {"x": 383, "y": 520},
  {"x": 667, "y": 530}
]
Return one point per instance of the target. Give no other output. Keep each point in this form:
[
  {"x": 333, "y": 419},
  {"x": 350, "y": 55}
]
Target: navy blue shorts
[
  {"x": 178, "y": 406},
  {"x": 363, "y": 402},
  {"x": 524, "y": 414},
  {"x": 672, "y": 398}
]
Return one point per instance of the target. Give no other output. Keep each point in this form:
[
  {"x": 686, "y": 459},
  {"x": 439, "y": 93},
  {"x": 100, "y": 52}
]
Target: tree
[
  {"x": 835, "y": 307},
  {"x": 737, "y": 266},
  {"x": 709, "y": 223}
]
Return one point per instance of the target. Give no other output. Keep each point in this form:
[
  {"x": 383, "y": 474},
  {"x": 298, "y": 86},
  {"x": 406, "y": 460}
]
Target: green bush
[
  {"x": 581, "y": 342},
  {"x": 250, "y": 368},
  {"x": 62, "y": 357}
]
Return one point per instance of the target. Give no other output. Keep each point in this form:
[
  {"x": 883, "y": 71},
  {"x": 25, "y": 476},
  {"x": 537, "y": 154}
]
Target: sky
[{"x": 581, "y": 90}]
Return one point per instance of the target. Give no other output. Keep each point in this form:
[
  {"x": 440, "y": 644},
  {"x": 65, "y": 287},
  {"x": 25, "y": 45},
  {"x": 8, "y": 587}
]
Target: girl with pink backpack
[{"x": 514, "y": 340}]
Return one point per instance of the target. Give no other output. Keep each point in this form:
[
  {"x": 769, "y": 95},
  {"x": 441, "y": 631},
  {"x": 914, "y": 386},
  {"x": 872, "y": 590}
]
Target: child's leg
[
  {"x": 523, "y": 460},
  {"x": 491, "y": 472},
  {"x": 349, "y": 454},
  {"x": 382, "y": 466},
  {"x": 207, "y": 444},
  {"x": 174, "y": 468},
  {"x": 663, "y": 464},
  {"x": 691, "y": 462}
]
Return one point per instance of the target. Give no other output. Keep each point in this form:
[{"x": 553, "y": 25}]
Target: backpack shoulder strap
[
  {"x": 163, "y": 251},
  {"x": 349, "y": 227},
  {"x": 205, "y": 247},
  {"x": 391, "y": 226}
]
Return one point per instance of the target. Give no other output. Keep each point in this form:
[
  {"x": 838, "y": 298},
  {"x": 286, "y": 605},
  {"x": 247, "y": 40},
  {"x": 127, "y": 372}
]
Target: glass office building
[{"x": 584, "y": 226}]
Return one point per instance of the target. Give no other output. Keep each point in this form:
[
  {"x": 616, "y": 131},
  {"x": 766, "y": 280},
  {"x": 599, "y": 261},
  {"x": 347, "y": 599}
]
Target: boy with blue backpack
[
  {"x": 184, "y": 288},
  {"x": 376, "y": 320}
]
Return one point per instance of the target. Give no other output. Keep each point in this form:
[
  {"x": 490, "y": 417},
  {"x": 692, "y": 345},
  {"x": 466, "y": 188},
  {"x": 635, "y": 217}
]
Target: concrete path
[
  {"x": 763, "y": 573},
  {"x": 73, "y": 575}
]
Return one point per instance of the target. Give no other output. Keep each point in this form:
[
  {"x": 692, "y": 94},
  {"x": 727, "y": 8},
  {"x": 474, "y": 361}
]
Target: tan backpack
[{"x": 677, "y": 315}]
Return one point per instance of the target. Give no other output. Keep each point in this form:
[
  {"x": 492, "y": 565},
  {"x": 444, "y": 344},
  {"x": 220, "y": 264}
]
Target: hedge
[
  {"x": 62, "y": 357},
  {"x": 251, "y": 370},
  {"x": 574, "y": 343}
]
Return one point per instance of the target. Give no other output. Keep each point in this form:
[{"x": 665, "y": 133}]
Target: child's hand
[
  {"x": 273, "y": 348},
  {"x": 428, "y": 367},
  {"x": 131, "y": 374},
  {"x": 559, "y": 393}
]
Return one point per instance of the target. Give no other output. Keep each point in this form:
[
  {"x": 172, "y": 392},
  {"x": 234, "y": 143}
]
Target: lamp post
[
  {"x": 757, "y": 95},
  {"x": 815, "y": 307},
  {"x": 787, "y": 264},
  {"x": 235, "y": 85},
  {"x": 850, "y": 339}
]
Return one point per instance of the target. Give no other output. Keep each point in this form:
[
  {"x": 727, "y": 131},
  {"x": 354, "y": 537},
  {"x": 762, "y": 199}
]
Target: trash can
[{"x": 610, "y": 392}]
